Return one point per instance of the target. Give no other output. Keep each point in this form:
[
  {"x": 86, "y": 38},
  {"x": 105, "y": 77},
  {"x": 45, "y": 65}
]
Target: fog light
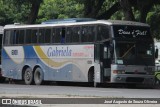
[{"x": 119, "y": 78}]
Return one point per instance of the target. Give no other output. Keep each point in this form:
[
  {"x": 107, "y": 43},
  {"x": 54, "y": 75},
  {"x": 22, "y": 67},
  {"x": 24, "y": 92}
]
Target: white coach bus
[{"x": 79, "y": 50}]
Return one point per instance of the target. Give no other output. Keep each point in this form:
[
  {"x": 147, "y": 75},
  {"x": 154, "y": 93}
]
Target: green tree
[
  {"x": 6, "y": 15},
  {"x": 34, "y": 8},
  {"x": 53, "y": 9},
  {"x": 153, "y": 19},
  {"x": 104, "y": 9},
  {"x": 10, "y": 13}
]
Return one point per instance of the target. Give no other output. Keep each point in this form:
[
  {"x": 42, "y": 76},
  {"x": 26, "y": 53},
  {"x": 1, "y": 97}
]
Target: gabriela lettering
[{"x": 59, "y": 52}]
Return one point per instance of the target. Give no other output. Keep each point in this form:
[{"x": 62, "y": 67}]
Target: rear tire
[
  {"x": 38, "y": 76},
  {"x": 28, "y": 76}
]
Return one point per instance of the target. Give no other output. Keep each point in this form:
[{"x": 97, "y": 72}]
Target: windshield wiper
[{"x": 128, "y": 51}]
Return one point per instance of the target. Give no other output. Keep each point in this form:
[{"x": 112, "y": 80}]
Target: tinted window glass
[
  {"x": 13, "y": 37},
  {"x": 34, "y": 35},
  {"x": 21, "y": 37},
  {"x": 58, "y": 35},
  {"x": 28, "y": 36},
  {"x": 47, "y": 35},
  {"x": 63, "y": 35},
  {"x": 7, "y": 37},
  {"x": 91, "y": 33},
  {"x": 102, "y": 32},
  {"x": 53, "y": 33},
  {"x": 16, "y": 37},
  {"x": 84, "y": 37},
  {"x": 88, "y": 33},
  {"x": 69, "y": 33},
  {"x": 41, "y": 36},
  {"x": 76, "y": 34}
]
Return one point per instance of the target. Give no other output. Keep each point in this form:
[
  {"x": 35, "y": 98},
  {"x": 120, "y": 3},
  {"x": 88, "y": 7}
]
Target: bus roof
[
  {"x": 69, "y": 20},
  {"x": 120, "y": 22},
  {"x": 1, "y": 29},
  {"x": 107, "y": 22}
]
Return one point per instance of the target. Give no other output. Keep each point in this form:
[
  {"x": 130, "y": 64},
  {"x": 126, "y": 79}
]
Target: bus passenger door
[
  {"x": 102, "y": 63},
  {"x": 98, "y": 71},
  {"x": 106, "y": 62}
]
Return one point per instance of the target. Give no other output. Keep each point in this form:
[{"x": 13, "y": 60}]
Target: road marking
[
  {"x": 15, "y": 88},
  {"x": 101, "y": 91}
]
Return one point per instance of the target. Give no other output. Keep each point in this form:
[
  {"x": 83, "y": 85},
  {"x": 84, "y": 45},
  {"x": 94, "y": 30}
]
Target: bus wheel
[
  {"x": 91, "y": 76},
  {"x": 38, "y": 76},
  {"x": 28, "y": 76}
]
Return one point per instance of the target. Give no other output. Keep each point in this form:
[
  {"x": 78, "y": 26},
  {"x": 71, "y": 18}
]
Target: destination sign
[{"x": 123, "y": 31}]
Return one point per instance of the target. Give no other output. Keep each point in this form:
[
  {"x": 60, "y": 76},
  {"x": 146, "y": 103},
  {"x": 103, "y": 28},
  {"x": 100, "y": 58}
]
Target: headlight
[
  {"x": 150, "y": 72},
  {"x": 119, "y": 71}
]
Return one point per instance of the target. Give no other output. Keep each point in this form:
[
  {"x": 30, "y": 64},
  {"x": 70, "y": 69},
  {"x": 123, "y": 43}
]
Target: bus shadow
[{"x": 85, "y": 84}]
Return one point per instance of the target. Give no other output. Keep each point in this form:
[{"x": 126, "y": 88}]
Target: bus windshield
[{"x": 130, "y": 53}]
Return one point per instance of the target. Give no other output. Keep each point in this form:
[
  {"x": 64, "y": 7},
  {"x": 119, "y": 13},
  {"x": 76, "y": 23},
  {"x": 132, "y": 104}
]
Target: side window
[
  {"x": 13, "y": 37},
  {"x": 63, "y": 35},
  {"x": 28, "y": 36},
  {"x": 41, "y": 36},
  {"x": 20, "y": 37},
  {"x": 102, "y": 32},
  {"x": 7, "y": 37},
  {"x": 16, "y": 36},
  {"x": 53, "y": 34},
  {"x": 69, "y": 33},
  {"x": 47, "y": 35},
  {"x": 58, "y": 35},
  {"x": 76, "y": 34},
  {"x": 34, "y": 35},
  {"x": 91, "y": 33},
  {"x": 84, "y": 37},
  {"x": 88, "y": 33}
]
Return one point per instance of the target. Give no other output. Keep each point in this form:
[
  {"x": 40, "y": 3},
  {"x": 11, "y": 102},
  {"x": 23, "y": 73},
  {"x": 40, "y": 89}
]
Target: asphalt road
[{"x": 75, "y": 91}]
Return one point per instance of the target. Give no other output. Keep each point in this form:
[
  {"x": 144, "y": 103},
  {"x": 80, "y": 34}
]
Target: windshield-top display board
[{"x": 124, "y": 31}]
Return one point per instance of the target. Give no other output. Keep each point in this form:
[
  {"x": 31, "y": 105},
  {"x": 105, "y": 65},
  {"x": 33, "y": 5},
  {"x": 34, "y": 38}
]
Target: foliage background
[{"x": 37, "y": 11}]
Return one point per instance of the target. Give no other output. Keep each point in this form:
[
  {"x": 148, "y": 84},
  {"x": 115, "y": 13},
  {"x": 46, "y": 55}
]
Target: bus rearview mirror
[{"x": 156, "y": 53}]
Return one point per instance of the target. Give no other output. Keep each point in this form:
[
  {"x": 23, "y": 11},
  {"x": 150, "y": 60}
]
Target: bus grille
[
  {"x": 135, "y": 73},
  {"x": 134, "y": 79}
]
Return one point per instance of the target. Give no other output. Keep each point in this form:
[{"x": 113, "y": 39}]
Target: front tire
[
  {"x": 91, "y": 78},
  {"x": 28, "y": 76},
  {"x": 38, "y": 76}
]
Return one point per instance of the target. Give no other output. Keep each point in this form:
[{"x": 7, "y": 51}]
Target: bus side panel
[
  {"x": 13, "y": 59},
  {"x": 59, "y": 63},
  {"x": 66, "y": 63}
]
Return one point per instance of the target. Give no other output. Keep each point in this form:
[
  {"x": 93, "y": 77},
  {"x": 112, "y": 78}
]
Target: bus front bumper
[{"x": 144, "y": 79}]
